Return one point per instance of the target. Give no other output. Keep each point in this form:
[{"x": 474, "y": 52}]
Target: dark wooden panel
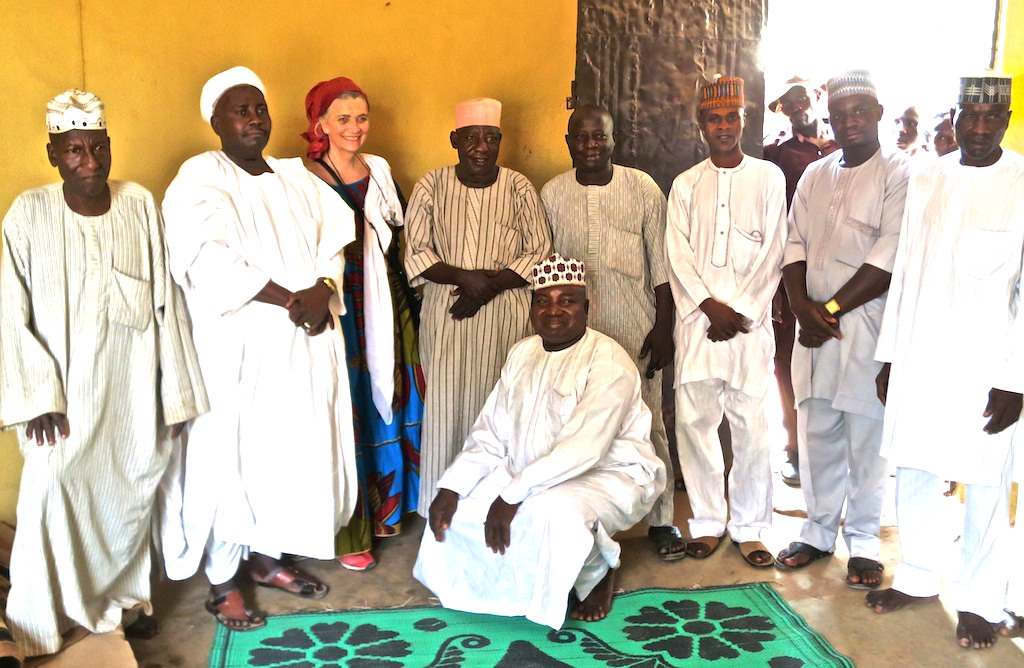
[{"x": 643, "y": 61}]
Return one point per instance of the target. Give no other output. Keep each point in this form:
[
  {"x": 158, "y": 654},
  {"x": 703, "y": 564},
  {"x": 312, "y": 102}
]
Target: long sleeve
[
  {"x": 198, "y": 217},
  {"x": 420, "y": 253},
  {"x": 486, "y": 447},
  {"x": 182, "y": 393},
  {"x": 796, "y": 243},
  {"x": 654, "y": 229},
  {"x": 885, "y": 349},
  {"x": 755, "y": 294},
  {"x": 883, "y": 252},
  {"x": 688, "y": 289},
  {"x": 337, "y": 230},
  {"x": 533, "y": 226},
  {"x": 30, "y": 378},
  {"x": 610, "y": 393}
]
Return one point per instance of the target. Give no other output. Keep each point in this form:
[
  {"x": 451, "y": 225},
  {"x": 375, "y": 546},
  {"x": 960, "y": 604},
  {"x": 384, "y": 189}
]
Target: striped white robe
[
  {"x": 93, "y": 326},
  {"x": 618, "y": 229},
  {"x": 498, "y": 227}
]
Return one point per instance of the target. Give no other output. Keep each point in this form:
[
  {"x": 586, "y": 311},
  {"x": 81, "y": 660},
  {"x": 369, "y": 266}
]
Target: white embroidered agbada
[
  {"x": 955, "y": 287},
  {"x": 92, "y": 326},
  {"x": 566, "y": 434},
  {"x": 725, "y": 242},
  {"x": 272, "y": 466}
]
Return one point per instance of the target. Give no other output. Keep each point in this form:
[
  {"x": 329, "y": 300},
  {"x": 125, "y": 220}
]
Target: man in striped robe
[
  {"x": 96, "y": 361},
  {"x": 475, "y": 231},
  {"x": 614, "y": 218}
]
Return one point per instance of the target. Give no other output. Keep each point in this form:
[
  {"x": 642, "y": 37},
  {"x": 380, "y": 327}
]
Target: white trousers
[
  {"x": 980, "y": 585},
  {"x": 700, "y": 406},
  {"x": 839, "y": 462}
]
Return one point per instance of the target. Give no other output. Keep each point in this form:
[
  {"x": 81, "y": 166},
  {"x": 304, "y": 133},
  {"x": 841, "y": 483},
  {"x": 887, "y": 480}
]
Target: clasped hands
[
  {"x": 310, "y": 308},
  {"x": 497, "y": 527},
  {"x": 725, "y": 322},
  {"x": 474, "y": 288},
  {"x": 816, "y": 324}
]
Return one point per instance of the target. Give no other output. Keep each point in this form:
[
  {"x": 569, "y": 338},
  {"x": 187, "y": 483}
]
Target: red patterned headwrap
[{"x": 318, "y": 99}]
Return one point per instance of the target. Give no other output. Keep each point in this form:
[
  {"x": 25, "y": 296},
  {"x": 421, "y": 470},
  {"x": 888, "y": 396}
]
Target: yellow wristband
[
  {"x": 832, "y": 306},
  {"x": 330, "y": 283}
]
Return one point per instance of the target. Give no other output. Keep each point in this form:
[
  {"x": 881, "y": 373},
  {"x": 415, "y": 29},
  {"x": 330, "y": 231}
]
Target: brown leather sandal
[
  {"x": 232, "y": 601},
  {"x": 751, "y": 548},
  {"x": 703, "y": 547},
  {"x": 292, "y": 581}
]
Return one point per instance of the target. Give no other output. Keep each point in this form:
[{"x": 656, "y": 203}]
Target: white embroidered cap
[
  {"x": 558, "y": 270},
  {"x": 75, "y": 109}
]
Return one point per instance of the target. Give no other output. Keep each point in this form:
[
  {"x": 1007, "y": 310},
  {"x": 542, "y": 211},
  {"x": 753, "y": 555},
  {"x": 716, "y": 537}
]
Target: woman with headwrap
[{"x": 379, "y": 324}]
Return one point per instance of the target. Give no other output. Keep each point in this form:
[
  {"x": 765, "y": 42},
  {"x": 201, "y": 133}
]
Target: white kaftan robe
[
  {"x": 952, "y": 326},
  {"x": 271, "y": 467},
  {"x": 843, "y": 218},
  {"x": 498, "y": 227},
  {"x": 566, "y": 434},
  {"x": 953, "y": 330},
  {"x": 618, "y": 229},
  {"x": 92, "y": 326},
  {"x": 724, "y": 239}
]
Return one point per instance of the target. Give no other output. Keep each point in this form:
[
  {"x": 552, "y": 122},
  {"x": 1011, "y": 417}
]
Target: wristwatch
[
  {"x": 329, "y": 283},
  {"x": 833, "y": 307}
]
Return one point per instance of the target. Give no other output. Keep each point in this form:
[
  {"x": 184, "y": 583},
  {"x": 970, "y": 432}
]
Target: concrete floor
[{"x": 922, "y": 636}]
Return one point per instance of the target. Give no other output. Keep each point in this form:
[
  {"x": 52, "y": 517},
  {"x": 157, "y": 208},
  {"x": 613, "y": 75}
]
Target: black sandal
[
  {"x": 664, "y": 539},
  {"x": 796, "y": 548},
  {"x": 858, "y": 565}
]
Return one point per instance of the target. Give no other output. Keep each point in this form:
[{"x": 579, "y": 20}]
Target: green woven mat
[{"x": 746, "y": 625}]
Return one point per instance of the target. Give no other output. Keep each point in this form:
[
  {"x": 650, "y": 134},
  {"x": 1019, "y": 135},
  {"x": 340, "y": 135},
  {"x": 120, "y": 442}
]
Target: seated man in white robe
[
  {"x": 97, "y": 367},
  {"x": 559, "y": 460}
]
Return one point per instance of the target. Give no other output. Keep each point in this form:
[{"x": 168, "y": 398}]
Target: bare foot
[
  {"x": 598, "y": 603},
  {"x": 974, "y": 631},
  {"x": 890, "y": 599}
]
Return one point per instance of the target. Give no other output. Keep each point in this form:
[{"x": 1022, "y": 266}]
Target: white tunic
[
  {"x": 93, "y": 326},
  {"x": 272, "y": 466},
  {"x": 842, "y": 218},
  {"x": 566, "y": 434},
  {"x": 724, "y": 237},
  {"x": 952, "y": 327}
]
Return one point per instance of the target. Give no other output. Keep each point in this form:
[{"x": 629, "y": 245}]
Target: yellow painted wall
[
  {"x": 149, "y": 60},
  {"x": 1013, "y": 63}
]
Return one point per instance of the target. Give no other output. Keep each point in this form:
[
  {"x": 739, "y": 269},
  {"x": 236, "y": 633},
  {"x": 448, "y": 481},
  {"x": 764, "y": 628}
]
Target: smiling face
[
  {"x": 82, "y": 157},
  {"x": 590, "y": 140},
  {"x": 722, "y": 128},
  {"x": 979, "y": 132},
  {"x": 242, "y": 121},
  {"x": 347, "y": 122},
  {"x": 854, "y": 120},
  {"x": 559, "y": 315},
  {"x": 478, "y": 147}
]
